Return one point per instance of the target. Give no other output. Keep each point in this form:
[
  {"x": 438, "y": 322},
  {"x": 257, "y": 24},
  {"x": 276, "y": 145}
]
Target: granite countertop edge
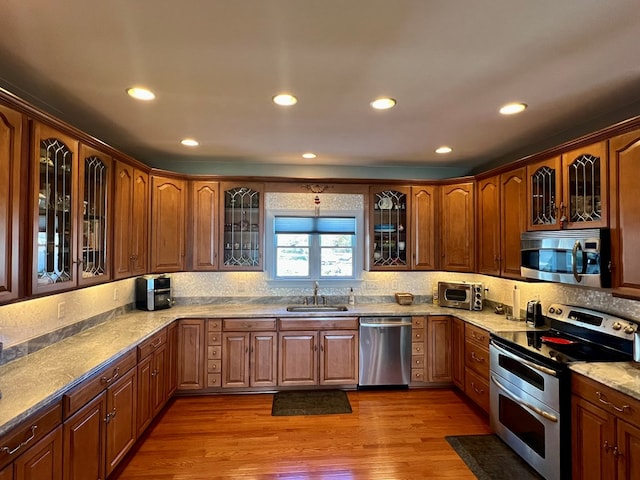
[{"x": 69, "y": 362}]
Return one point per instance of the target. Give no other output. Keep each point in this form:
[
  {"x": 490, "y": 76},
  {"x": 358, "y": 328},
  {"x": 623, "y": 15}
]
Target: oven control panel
[{"x": 593, "y": 320}]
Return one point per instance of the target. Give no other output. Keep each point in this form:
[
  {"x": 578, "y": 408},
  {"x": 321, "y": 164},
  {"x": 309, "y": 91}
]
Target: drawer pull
[
  {"x": 11, "y": 451},
  {"x": 476, "y": 358},
  {"x": 603, "y": 399},
  {"x": 157, "y": 342},
  {"x": 116, "y": 373},
  {"x": 477, "y": 337},
  {"x": 479, "y": 391}
]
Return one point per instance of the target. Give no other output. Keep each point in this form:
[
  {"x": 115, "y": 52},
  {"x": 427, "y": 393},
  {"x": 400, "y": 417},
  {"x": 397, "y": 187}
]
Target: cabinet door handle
[
  {"x": 11, "y": 451},
  {"x": 479, "y": 391},
  {"x": 107, "y": 381},
  {"x": 603, "y": 399},
  {"x": 476, "y": 358}
]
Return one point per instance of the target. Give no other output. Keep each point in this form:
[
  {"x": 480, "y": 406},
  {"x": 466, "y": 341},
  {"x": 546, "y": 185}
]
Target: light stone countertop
[
  {"x": 38, "y": 380},
  {"x": 621, "y": 376}
]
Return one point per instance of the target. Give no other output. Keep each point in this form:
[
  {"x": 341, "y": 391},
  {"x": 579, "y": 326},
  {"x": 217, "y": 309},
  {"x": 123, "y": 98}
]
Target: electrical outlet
[
  {"x": 62, "y": 310},
  {"x": 116, "y": 294},
  {"x": 371, "y": 285}
]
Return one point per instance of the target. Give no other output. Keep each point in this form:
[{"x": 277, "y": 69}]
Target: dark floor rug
[
  {"x": 310, "y": 402},
  {"x": 489, "y": 458}
]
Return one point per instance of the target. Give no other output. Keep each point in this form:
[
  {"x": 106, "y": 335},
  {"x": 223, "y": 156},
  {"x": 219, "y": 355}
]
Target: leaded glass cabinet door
[
  {"x": 389, "y": 228},
  {"x": 55, "y": 210},
  {"x": 544, "y": 194},
  {"x": 585, "y": 186},
  {"x": 242, "y": 227},
  {"x": 93, "y": 241}
]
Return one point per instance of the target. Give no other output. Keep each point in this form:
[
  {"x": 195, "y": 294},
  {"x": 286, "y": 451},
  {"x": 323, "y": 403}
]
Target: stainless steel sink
[{"x": 317, "y": 308}]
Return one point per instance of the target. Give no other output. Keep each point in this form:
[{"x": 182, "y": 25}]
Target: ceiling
[{"x": 214, "y": 66}]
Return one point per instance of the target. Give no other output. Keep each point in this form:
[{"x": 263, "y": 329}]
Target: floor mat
[
  {"x": 489, "y": 458},
  {"x": 310, "y": 402}
]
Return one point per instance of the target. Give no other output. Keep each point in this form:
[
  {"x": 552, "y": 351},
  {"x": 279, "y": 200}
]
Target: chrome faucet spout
[{"x": 315, "y": 293}]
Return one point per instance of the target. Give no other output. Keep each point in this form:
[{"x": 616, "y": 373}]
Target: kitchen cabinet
[
  {"x": 501, "y": 216},
  {"x": 192, "y": 344},
  {"x": 625, "y": 214},
  {"x": 12, "y": 125},
  {"x": 94, "y": 240},
  {"x": 54, "y": 196},
  {"x": 33, "y": 449},
  {"x": 457, "y": 227},
  {"x": 100, "y": 420},
  {"x": 457, "y": 352},
  {"x": 172, "y": 359},
  {"x": 424, "y": 235},
  {"x": 131, "y": 221},
  {"x": 326, "y": 353},
  {"x": 249, "y": 353},
  {"x": 153, "y": 377},
  {"x": 605, "y": 431},
  {"x": 389, "y": 227},
  {"x": 439, "y": 348},
  {"x": 418, "y": 350},
  {"x": 214, "y": 353},
  {"x": 204, "y": 225},
  {"x": 569, "y": 191},
  {"x": 476, "y": 371},
  {"x": 242, "y": 226},
  {"x": 168, "y": 224}
]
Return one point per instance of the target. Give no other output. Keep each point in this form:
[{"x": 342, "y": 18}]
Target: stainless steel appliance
[
  {"x": 577, "y": 257},
  {"x": 385, "y": 351},
  {"x": 530, "y": 388},
  {"x": 153, "y": 292},
  {"x": 467, "y": 296}
]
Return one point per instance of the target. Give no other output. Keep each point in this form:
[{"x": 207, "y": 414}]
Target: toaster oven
[
  {"x": 463, "y": 295},
  {"x": 153, "y": 292}
]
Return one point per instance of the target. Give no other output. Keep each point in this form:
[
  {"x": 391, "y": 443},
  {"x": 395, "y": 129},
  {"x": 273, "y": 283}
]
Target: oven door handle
[
  {"x": 533, "y": 408},
  {"x": 529, "y": 364}
]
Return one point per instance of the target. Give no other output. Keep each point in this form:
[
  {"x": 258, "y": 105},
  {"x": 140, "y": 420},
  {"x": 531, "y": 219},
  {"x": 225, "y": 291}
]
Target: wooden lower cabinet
[
  {"x": 191, "y": 354},
  {"x": 457, "y": 352},
  {"x": 98, "y": 436},
  {"x": 154, "y": 372},
  {"x": 249, "y": 359},
  {"x": 476, "y": 372},
  {"x": 298, "y": 358},
  {"x": 214, "y": 353},
  {"x": 43, "y": 461},
  {"x": 605, "y": 432},
  {"x": 339, "y": 357},
  {"x": 418, "y": 350},
  {"x": 439, "y": 348}
]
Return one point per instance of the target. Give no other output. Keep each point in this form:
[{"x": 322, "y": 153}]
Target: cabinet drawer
[
  {"x": 417, "y": 348},
  {"x": 29, "y": 432},
  {"x": 214, "y": 325},
  {"x": 477, "y": 334},
  {"x": 214, "y": 338},
  {"x": 88, "y": 389},
  {"x": 611, "y": 400},
  {"x": 417, "y": 335},
  {"x": 214, "y": 379},
  {"x": 324, "y": 323},
  {"x": 147, "y": 347},
  {"x": 417, "y": 375},
  {"x": 214, "y": 366},
  {"x": 477, "y": 389},
  {"x": 477, "y": 358},
  {"x": 417, "y": 361},
  {"x": 214, "y": 352},
  {"x": 248, "y": 324},
  {"x": 418, "y": 322}
]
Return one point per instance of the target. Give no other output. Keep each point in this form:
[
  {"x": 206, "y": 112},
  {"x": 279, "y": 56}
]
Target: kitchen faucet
[{"x": 315, "y": 293}]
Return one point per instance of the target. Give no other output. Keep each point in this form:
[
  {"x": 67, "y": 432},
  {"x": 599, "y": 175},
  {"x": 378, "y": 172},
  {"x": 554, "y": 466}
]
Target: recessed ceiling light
[
  {"x": 443, "y": 149},
  {"x": 189, "y": 142},
  {"x": 309, "y": 155},
  {"x": 140, "y": 93},
  {"x": 285, "y": 99},
  {"x": 383, "y": 103},
  {"x": 513, "y": 108}
]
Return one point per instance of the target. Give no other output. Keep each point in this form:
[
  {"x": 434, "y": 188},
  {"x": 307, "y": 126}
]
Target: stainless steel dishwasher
[{"x": 385, "y": 351}]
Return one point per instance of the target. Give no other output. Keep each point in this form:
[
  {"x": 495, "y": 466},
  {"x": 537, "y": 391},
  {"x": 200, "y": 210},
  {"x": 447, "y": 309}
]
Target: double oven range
[{"x": 530, "y": 385}]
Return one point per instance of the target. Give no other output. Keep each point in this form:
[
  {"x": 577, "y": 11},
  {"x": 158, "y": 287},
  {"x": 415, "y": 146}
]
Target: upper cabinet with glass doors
[
  {"x": 242, "y": 221},
  {"x": 569, "y": 191},
  {"x": 389, "y": 228},
  {"x": 55, "y": 192}
]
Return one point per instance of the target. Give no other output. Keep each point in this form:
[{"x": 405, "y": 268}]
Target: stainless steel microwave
[
  {"x": 463, "y": 295},
  {"x": 576, "y": 257}
]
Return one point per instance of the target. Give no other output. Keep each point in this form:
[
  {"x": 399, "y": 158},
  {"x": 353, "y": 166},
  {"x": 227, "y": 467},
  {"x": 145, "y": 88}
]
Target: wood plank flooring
[{"x": 390, "y": 435}]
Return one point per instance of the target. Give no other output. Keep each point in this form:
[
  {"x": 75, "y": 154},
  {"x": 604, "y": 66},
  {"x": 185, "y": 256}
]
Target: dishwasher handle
[{"x": 389, "y": 324}]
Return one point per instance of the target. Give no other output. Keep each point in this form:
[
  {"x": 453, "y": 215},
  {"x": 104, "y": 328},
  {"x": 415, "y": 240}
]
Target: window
[{"x": 308, "y": 247}]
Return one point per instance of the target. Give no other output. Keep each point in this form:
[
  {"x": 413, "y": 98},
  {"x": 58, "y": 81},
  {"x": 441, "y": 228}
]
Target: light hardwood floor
[{"x": 389, "y": 435}]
